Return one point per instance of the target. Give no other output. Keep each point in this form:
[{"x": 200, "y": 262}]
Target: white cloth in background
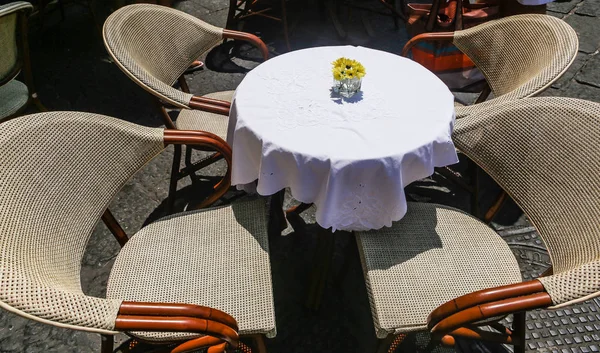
[{"x": 352, "y": 159}]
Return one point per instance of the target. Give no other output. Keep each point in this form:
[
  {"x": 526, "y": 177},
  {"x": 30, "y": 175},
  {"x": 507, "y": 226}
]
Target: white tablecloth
[{"x": 352, "y": 159}]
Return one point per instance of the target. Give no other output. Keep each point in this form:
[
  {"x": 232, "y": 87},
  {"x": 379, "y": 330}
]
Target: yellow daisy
[
  {"x": 344, "y": 68},
  {"x": 338, "y": 73}
]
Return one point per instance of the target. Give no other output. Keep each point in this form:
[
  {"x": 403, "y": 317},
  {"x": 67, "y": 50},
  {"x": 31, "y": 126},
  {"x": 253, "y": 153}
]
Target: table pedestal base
[{"x": 321, "y": 268}]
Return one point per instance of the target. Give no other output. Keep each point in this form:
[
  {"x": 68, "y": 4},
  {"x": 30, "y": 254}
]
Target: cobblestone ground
[{"x": 73, "y": 72}]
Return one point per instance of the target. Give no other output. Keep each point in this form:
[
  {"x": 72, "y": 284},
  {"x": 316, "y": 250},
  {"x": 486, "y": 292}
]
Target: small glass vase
[{"x": 347, "y": 87}]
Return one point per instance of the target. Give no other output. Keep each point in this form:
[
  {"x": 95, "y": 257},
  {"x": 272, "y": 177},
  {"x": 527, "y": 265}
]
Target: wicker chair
[
  {"x": 212, "y": 258},
  {"x": 14, "y": 94},
  {"x": 154, "y": 45},
  {"x": 520, "y": 56},
  {"x": 414, "y": 269}
]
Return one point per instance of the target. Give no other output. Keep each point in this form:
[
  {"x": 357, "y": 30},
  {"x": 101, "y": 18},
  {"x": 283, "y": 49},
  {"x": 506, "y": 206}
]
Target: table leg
[
  {"x": 277, "y": 221},
  {"x": 321, "y": 268}
]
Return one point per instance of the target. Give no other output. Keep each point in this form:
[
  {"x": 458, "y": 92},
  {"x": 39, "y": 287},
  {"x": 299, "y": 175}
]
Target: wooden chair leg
[
  {"x": 190, "y": 166},
  {"x": 285, "y": 25},
  {"x": 475, "y": 194},
  {"x": 38, "y": 104},
  {"x": 495, "y": 208},
  {"x": 299, "y": 208},
  {"x": 61, "y": 8},
  {"x": 231, "y": 15},
  {"x": 183, "y": 84},
  {"x": 107, "y": 344},
  {"x": 259, "y": 344},
  {"x": 384, "y": 345},
  {"x": 519, "y": 331},
  {"x": 165, "y": 115},
  {"x": 174, "y": 178}
]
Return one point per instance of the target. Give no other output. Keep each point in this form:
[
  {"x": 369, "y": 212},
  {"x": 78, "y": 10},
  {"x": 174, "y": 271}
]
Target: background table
[{"x": 351, "y": 158}]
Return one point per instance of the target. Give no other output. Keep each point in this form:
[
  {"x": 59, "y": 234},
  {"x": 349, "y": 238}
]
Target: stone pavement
[{"x": 73, "y": 72}]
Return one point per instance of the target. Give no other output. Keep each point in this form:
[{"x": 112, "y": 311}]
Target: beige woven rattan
[
  {"x": 435, "y": 253},
  {"x": 217, "y": 258},
  {"x": 49, "y": 208},
  {"x": 520, "y": 56},
  {"x": 217, "y": 124},
  {"x": 544, "y": 153},
  {"x": 58, "y": 174},
  {"x": 154, "y": 45},
  {"x": 14, "y": 94},
  {"x": 8, "y": 37}
]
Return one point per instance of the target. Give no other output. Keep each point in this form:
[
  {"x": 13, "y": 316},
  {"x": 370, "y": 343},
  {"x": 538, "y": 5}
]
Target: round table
[{"x": 352, "y": 157}]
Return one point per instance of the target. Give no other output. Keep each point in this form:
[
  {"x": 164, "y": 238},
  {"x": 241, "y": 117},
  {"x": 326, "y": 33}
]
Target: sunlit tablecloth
[{"x": 352, "y": 158}]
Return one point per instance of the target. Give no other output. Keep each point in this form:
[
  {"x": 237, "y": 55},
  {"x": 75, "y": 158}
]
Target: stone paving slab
[
  {"x": 568, "y": 76},
  {"x": 555, "y": 14},
  {"x": 589, "y": 8},
  {"x": 563, "y": 7},
  {"x": 575, "y": 90},
  {"x": 73, "y": 72},
  {"x": 590, "y": 74},
  {"x": 587, "y": 30}
]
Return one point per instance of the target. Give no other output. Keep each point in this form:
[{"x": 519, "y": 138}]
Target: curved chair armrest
[
  {"x": 505, "y": 336},
  {"x": 212, "y": 142},
  {"x": 211, "y": 101},
  {"x": 482, "y": 297},
  {"x": 490, "y": 310},
  {"x": 210, "y": 105},
  {"x": 214, "y": 344},
  {"x": 177, "y": 309},
  {"x": 229, "y": 34},
  {"x": 439, "y": 36},
  {"x": 177, "y": 324}
]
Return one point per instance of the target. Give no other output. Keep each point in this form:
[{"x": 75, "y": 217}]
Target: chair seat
[
  {"x": 192, "y": 119},
  {"x": 13, "y": 96},
  {"x": 217, "y": 257},
  {"x": 432, "y": 255}
]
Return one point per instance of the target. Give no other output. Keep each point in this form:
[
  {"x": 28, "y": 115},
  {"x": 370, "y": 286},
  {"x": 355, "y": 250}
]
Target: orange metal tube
[
  {"x": 177, "y": 324},
  {"x": 482, "y": 297},
  {"x": 440, "y": 36},
  {"x": 489, "y": 310},
  {"x": 201, "y": 342},
  {"x": 229, "y": 34},
  {"x": 208, "y": 140},
  {"x": 174, "y": 309}
]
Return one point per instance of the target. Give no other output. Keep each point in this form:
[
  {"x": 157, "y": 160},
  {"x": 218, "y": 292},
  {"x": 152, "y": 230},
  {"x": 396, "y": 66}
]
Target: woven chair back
[
  {"x": 58, "y": 173},
  {"x": 9, "y": 40},
  {"x": 521, "y": 55},
  {"x": 154, "y": 45},
  {"x": 544, "y": 153}
]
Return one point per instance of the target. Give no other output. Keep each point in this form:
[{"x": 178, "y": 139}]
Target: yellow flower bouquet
[{"x": 347, "y": 76}]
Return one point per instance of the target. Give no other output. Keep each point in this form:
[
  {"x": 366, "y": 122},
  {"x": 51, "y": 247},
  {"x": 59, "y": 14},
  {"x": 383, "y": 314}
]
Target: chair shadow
[
  {"x": 253, "y": 226},
  {"x": 190, "y": 196},
  {"x": 219, "y": 59},
  {"x": 411, "y": 245},
  {"x": 185, "y": 200}
]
